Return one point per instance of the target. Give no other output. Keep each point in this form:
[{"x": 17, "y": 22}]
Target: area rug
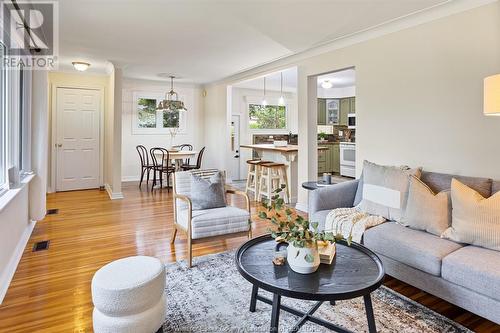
[{"x": 213, "y": 297}]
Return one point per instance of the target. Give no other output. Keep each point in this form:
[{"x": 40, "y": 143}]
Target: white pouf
[
  {"x": 128, "y": 295},
  {"x": 148, "y": 321}
]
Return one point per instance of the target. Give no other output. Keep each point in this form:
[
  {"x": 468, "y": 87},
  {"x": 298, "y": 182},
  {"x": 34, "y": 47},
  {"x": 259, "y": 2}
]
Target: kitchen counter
[{"x": 271, "y": 147}]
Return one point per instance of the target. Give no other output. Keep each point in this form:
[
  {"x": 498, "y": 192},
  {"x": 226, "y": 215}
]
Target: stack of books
[{"x": 326, "y": 252}]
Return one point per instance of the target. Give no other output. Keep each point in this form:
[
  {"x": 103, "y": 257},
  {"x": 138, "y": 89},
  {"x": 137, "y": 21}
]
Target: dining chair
[
  {"x": 145, "y": 166},
  {"x": 186, "y": 167},
  {"x": 185, "y": 146},
  {"x": 159, "y": 156}
]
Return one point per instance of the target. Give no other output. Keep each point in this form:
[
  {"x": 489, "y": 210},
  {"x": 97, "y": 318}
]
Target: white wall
[
  {"x": 240, "y": 100},
  {"x": 418, "y": 95},
  {"x": 336, "y": 92},
  {"x": 194, "y": 125}
]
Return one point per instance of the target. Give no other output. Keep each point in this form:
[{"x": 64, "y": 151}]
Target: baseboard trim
[
  {"x": 113, "y": 195},
  {"x": 10, "y": 270},
  {"x": 130, "y": 178},
  {"x": 302, "y": 207}
]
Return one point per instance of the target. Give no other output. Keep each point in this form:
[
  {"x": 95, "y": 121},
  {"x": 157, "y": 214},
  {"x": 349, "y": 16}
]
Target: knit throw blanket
[{"x": 349, "y": 221}]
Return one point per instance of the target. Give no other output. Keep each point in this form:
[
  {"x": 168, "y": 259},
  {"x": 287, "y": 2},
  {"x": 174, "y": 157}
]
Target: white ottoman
[{"x": 128, "y": 295}]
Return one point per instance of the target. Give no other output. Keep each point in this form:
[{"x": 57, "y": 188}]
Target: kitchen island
[{"x": 287, "y": 155}]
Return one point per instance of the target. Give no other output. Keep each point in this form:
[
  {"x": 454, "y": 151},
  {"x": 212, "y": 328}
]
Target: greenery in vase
[{"x": 285, "y": 227}]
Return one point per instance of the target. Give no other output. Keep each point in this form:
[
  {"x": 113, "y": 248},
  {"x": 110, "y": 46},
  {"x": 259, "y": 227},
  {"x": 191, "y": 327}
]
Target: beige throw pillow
[
  {"x": 426, "y": 210},
  {"x": 475, "y": 220},
  {"x": 385, "y": 190}
]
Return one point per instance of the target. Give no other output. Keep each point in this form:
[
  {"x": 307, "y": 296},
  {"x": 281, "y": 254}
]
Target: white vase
[{"x": 296, "y": 258}]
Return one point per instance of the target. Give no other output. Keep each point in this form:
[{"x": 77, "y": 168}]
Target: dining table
[{"x": 177, "y": 156}]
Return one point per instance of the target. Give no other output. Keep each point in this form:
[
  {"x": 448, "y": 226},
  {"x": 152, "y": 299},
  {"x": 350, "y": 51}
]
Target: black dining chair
[
  {"x": 145, "y": 166},
  {"x": 185, "y": 146},
  {"x": 158, "y": 156},
  {"x": 186, "y": 167}
]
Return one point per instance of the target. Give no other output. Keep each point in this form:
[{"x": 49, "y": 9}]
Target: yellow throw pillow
[{"x": 475, "y": 219}]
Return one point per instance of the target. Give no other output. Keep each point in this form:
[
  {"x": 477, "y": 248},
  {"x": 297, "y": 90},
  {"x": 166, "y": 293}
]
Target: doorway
[
  {"x": 235, "y": 147},
  {"x": 77, "y": 138}
]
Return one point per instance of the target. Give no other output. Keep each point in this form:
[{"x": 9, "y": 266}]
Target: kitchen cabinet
[
  {"x": 345, "y": 108},
  {"x": 329, "y": 160},
  {"x": 321, "y": 111},
  {"x": 353, "y": 105},
  {"x": 335, "y": 158}
]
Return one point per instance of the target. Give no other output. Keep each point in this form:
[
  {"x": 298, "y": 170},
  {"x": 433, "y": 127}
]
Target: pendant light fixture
[
  {"x": 264, "y": 101},
  {"x": 281, "y": 101},
  {"x": 171, "y": 103}
]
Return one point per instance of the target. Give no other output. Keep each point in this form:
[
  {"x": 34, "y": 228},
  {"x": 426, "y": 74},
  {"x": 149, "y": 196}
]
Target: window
[
  {"x": 146, "y": 120},
  {"x": 267, "y": 116}
]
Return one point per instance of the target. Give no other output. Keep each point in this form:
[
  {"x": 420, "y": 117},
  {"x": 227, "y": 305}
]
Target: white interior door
[
  {"x": 235, "y": 147},
  {"x": 77, "y": 133}
]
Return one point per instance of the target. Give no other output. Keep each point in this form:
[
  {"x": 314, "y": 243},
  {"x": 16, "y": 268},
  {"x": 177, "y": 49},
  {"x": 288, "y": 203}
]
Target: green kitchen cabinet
[
  {"x": 335, "y": 158},
  {"x": 322, "y": 161},
  {"x": 321, "y": 111},
  {"x": 353, "y": 105},
  {"x": 345, "y": 109}
]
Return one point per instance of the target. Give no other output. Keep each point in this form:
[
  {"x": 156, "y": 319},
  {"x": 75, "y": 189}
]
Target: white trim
[
  {"x": 53, "y": 128},
  {"x": 302, "y": 207},
  {"x": 8, "y": 195},
  {"x": 11, "y": 267},
  {"x": 130, "y": 178},
  {"x": 113, "y": 195},
  {"x": 404, "y": 22}
]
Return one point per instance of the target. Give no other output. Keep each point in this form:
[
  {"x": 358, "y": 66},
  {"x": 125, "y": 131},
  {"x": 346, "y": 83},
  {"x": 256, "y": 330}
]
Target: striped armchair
[{"x": 208, "y": 224}]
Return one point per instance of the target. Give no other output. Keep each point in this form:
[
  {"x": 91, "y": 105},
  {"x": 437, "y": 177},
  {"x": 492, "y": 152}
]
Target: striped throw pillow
[{"x": 475, "y": 219}]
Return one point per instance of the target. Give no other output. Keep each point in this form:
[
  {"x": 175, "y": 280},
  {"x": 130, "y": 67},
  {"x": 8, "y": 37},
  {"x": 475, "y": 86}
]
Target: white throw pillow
[
  {"x": 475, "y": 219},
  {"x": 385, "y": 190},
  {"x": 426, "y": 210}
]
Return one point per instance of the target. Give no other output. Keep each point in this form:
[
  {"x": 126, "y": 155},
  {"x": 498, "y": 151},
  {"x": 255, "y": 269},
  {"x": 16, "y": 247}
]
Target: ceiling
[
  {"x": 273, "y": 81},
  {"x": 206, "y": 40},
  {"x": 340, "y": 79}
]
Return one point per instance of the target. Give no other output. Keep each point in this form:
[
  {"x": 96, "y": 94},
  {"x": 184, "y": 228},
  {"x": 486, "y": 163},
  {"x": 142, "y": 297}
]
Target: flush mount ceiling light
[
  {"x": 327, "y": 84},
  {"x": 81, "y": 66},
  {"x": 171, "y": 103},
  {"x": 281, "y": 101}
]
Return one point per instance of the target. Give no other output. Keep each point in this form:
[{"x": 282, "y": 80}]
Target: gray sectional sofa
[{"x": 465, "y": 275}]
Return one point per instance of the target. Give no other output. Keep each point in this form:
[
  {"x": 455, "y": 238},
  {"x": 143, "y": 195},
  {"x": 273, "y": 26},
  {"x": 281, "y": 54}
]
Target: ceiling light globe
[{"x": 326, "y": 84}]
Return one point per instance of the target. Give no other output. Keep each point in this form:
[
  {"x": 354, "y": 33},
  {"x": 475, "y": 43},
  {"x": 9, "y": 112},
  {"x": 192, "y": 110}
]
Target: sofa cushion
[
  {"x": 216, "y": 221},
  {"x": 385, "y": 190},
  {"x": 414, "y": 248},
  {"x": 441, "y": 181},
  {"x": 475, "y": 220},
  {"x": 320, "y": 217},
  {"x": 427, "y": 210},
  {"x": 474, "y": 268}
]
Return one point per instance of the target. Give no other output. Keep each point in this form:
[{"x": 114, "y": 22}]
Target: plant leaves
[{"x": 309, "y": 258}]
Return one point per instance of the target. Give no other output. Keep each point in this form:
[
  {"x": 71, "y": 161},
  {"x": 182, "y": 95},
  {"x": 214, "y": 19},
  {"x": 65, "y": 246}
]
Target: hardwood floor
[{"x": 50, "y": 291}]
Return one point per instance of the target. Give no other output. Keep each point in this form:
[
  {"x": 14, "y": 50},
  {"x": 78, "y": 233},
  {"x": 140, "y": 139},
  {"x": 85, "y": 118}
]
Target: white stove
[{"x": 348, "y": 159}]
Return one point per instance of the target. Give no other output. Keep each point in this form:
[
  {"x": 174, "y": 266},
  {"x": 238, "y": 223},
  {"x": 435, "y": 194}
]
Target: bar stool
[
  {"x": 272, "y": 176},
  {"x": 253, "y": 176}
]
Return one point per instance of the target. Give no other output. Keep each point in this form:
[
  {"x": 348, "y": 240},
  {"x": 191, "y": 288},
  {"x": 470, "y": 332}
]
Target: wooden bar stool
[
  {"x": 272, "y": 176},
  {"x": 253, "y": 177}
]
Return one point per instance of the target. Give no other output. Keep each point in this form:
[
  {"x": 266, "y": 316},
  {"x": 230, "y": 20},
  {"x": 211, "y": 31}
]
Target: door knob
[{"x": 59, "y": 145}]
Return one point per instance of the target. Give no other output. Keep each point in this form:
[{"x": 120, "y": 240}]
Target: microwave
[{"x": 351, "y": 120}]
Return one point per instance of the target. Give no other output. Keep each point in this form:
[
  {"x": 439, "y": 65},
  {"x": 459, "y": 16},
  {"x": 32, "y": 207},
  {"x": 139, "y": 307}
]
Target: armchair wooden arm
[{"x": 238, "y": 192}]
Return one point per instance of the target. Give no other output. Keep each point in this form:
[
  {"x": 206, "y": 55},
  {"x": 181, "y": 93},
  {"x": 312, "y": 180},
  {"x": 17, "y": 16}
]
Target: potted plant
[
  {"x": 299, "y": 235},
  {"x": 322, "y": 136}
]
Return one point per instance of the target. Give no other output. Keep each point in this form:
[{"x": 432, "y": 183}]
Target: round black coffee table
[{"x": 356, "y": 271}]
